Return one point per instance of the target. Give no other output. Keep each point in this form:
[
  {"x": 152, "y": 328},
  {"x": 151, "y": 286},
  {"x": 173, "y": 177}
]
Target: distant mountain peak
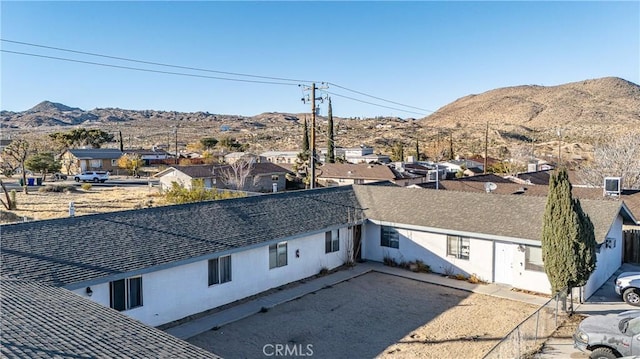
[{"x": 45, "y": 106}]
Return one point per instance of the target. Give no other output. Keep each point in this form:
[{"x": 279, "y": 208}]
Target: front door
[{"x": 503, "y": 271}]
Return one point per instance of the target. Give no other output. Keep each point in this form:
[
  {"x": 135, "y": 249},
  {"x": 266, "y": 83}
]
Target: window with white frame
[
  {"x": 95, "y": 163},
  {"x": 458, "y": 247},
  {"x": 389, "y": 237},
  {"x": 332, "y": 241},
  {"x": 126, "y": 293},
  {"x": 533, "y": 259},
  {"x": 278, "y": 255},
  {"x": 220, "y": 270},
  {"x": 274, "y": 178}
]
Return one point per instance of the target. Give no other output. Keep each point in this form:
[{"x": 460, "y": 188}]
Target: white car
[
  {"x": 92, "y": 176},
  {"x": 628, "y": 286}
]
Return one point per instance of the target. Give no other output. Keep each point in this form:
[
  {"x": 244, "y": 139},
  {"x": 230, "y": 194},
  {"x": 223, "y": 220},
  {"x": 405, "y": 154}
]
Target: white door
[{"x": 504, "y": 263}]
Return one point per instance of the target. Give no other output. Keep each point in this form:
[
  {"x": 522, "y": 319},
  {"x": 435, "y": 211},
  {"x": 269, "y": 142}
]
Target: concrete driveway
[{"x": 603, "y": 301}]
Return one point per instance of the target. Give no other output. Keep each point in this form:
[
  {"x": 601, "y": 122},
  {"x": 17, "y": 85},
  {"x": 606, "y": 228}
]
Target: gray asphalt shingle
[{"x": 40, "y": 321}]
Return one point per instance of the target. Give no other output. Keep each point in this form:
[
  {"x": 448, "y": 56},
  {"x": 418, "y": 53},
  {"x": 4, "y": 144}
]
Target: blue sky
[{"x": 421, "y": 54}]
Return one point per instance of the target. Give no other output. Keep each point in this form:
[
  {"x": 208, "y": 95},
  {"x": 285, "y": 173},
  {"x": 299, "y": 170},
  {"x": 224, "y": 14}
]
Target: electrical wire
[
  {"x": 149, "y": 70},
  {"x": 298, "y": 81},
  {"x": 156, "y": 63},
  {"x": 378, "y": 98}
]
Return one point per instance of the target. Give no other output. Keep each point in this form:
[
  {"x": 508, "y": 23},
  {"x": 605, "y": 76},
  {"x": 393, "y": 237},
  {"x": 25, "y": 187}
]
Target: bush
[
  {"x": 420, "y": 267},
  {"x": 475, "y": 279},
  {"x": 323, "y": 271},
  {"x": 86, "y": 186},
  {"x": 388, "y": 261},
  {"x": 55, "y": 188}
]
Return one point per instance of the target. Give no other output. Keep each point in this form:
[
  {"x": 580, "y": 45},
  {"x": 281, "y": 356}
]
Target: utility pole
[
  {"x": 312, "y": 159},
  {"x": 486, "y": 147},
  {"x": 177, "y": 154}
]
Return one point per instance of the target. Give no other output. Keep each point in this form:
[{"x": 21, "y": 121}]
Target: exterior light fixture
[{"x": 89, "y": 291}]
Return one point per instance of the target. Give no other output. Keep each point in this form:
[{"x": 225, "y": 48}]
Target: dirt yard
[
  {"x": 39, "y": 205},
  {"x": 375, "y": 315}
]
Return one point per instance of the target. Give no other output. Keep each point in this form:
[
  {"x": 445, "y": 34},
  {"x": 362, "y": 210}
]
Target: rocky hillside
[{"x": 585, "y": 112}]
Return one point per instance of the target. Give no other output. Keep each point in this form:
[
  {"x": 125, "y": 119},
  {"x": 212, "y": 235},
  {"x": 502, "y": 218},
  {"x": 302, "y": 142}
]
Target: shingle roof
[
  {"x": 72, "y": 250},
  {"x": 359, "y": 171},
  {"x": 489, "y": 214},
  {"x": 96, "y": 153},
  {"x": 205, "y": 171},
  {"x": 40, "y": 321}
]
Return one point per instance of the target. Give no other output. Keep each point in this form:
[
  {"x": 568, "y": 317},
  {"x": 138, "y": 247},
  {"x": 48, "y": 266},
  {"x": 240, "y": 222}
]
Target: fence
[{"x": 528, "y": 336}]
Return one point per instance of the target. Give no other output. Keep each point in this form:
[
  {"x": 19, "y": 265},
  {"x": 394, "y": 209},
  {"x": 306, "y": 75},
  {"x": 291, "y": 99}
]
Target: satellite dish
[{"x": 490, "y": 187}]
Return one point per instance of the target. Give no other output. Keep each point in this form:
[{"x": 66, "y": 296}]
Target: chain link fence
[{"x": 527, "y": 338}]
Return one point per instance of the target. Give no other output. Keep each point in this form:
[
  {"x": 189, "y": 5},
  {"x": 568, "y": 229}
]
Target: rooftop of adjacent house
[
  {"x": 40, "y": 321},
  {"x": 515, "y": 217},
  {"x": 75, "y": 252},
  {"x": 95, "y": 153},
  {"x": 207, "y": 171},
  {"x": 356, "y": 171},
  {"x": 145, "y": 152}
]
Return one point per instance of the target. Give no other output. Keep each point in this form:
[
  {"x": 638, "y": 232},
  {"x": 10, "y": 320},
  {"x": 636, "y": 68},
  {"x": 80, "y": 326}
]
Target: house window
[
  {"x": 126, "y": 293},
  {"x": 274, "y": 178},
  {"x": 389, "y": 237},
  {"x": 95, "y": 163},
  {"x": 332, "y": 241},
  {"x": 220, "y": 270},
  {"x": 278, "y": 255},
  {"x": 114, "y": 163},
  {"x": 533, "y": 259},
  {"x": 458, "y": 247}
]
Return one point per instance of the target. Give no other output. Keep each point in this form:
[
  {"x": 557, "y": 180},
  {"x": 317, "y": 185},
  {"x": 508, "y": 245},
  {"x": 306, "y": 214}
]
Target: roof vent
[{"x": 490, "y": 187}]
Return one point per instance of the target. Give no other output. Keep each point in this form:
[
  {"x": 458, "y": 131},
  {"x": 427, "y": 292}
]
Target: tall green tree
[
  {"x": 82, "y": 137},
  {"x": 417, "y": 150},
  {"x": 208, "y": 142},
  {"x": 397, "y": 152},
  {"x": 331, "y": 151},
  {"x": 568, "y": 239},
  {"x": 17, "y": 152},
  {"x": 305, "y": 137},
  {"x": 44, "y": 163}
]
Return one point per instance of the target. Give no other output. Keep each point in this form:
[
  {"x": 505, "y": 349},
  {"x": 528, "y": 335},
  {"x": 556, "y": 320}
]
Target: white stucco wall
[
  {"x": 608, "y": 260},
  {"x": 181, "y": 291},
  {"x": 431, "y": 248}
]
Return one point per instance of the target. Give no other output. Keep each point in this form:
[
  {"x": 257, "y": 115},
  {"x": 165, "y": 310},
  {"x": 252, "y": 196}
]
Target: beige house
[
  {"x": 80, "y": 159},
  {"x": 344, "y": 174}
]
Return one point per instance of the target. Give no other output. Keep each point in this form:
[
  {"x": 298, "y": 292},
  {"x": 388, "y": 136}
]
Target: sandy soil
[
  {"x": 375, "y": 315},
  {"x": 39, "y": 205}
]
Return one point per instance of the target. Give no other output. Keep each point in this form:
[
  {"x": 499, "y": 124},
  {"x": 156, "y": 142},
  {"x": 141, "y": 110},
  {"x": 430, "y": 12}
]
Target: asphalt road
[{"x": 12, "y": 183}]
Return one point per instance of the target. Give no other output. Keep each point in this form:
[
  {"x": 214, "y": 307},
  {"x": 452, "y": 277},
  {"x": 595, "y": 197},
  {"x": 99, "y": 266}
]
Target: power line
[
  {"x": 149, "y": 70},
  {"x": 155, "y": 63},
  {"x": 379, "y": 98},
  {"x": 375, "y": 104},
  {"x": 209, "y": 77}
]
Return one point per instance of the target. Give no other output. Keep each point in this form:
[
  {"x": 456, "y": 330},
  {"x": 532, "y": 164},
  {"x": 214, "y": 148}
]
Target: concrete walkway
[{"x": 240, "y": 311}]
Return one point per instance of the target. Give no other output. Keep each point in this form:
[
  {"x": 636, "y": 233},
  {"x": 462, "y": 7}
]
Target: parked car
[
  {"x": 628, "y": 286},
  {"x": 92, "y": 176},
  {"x": 609, "y": 336}
]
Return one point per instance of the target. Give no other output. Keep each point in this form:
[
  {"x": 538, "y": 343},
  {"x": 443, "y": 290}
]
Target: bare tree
[
  {"x": 235, "y": 175},
  {"x": 617, "y": 158},
  {"x": 17, "y": 152}
]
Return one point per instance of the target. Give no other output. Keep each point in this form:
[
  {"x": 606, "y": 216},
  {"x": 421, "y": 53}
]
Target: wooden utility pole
[
  {"x": 312, "y": 159},
  {"x": 486, "y": 147}
]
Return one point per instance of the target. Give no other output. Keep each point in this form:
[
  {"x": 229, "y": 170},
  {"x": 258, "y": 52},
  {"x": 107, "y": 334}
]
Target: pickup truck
[{"x": 92, "y": 176}]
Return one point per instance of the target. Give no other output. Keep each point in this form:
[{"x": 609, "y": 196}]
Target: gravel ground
[{"x": 375, "y": 315}]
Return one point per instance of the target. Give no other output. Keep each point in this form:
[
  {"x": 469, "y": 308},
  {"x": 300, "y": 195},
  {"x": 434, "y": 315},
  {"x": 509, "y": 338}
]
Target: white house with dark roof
[
  {"x": 161, "y": 264},
  {"x": 76, "y": 160}
]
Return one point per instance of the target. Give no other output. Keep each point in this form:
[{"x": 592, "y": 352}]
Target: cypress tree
[
  {"x": 331, "y": 155},
  {"x": 417, "y": 150},
  {"x": 568, "y": 240},
  {"x": 305, "y": 138}
]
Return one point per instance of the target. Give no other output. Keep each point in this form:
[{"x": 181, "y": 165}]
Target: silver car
[
  {"x": 628, "y": 286},
  {"x": 609, "y": 336}
]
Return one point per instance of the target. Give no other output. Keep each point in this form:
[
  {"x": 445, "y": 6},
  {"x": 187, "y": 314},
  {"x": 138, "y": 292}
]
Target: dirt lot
[
  {"x": 46, "y": 205},
  {"x": 375, "y": 315}
]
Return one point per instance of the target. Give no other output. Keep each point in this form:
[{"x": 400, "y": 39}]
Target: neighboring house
[
  {"x": 499, "y": 245},
  {"x": 344, "y": 174},
  {"x": 161, "y": 264},
  {"x": 279, "y": 157},
  {"x": 41, "y": 321},
  {"x": 79, "y": 159},
  {"x": 150, "y": 157},
  {"x": 262, "y": 177},
  {"x": 453, "y": 166}
]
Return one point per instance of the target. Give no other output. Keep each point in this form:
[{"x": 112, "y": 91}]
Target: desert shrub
[
  {"x": 86, "y": 186},
  {"x": 323, "y": 271},
  {"x": 460, "y": 276},
  {"x": 448, "y": 271},
  {"x": 388, "y": 261},
  {"x": 473, "y": 278},
  {"x": 55, "y": 188},
  {"x": 420, "y": 267}
]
